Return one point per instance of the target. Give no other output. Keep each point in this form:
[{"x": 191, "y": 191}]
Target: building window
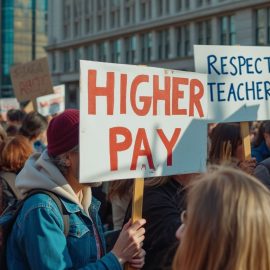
[
  {"x": 89, "y": 52},
  {"x": 129, "y": 11},
  {"x": 178, "y": 5},
  {"x": 66, "y": 61},
  {"x": 102, "y": 52},
  {"x": 115, "y": 13},
  {"x": 187, "y": 4},
  {"x": 53, "y": 61},
  {"x": 146, "y": 45},
  {"x": 263, "y": 26},
  {"x": 116, "y": 51},
  {"x": 66, "y": 21},
  {"x": 187, "y": 47},
  {"x": 101, "y": 15},
  {"x": 179, "y": 41},
  {"x": 77, "y": 57},
  {"x": 204, "y": 32},
  {"x": 159, "y": 7},
  {"x": 199, "y": 3},
  {"x": 77, "y": 17},
  {"x": 163, "y": 44},
  {"x": 227, "y": 30},
  {"x": 130, "y": 48}
]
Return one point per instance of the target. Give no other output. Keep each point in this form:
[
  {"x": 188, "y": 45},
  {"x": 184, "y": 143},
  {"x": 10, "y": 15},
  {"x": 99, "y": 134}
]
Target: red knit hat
[{"x": 63, "y": 132}]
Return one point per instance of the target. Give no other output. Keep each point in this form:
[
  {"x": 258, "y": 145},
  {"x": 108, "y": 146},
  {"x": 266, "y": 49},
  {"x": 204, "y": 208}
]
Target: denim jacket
[{"x": 37, "y": 239}]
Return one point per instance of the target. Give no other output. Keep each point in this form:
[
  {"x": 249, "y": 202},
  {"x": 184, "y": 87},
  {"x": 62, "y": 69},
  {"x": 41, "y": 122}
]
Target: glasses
[{"x": 184, "y": 217}]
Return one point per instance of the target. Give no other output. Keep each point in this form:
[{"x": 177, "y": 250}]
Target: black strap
[{"x": 59, "y": 204}]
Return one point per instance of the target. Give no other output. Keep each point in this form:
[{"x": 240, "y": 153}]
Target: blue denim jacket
[{"x": 37, "y": 240}]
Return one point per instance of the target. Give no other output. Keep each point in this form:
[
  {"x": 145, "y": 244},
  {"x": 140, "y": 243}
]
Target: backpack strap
[
  {"x": 55, "y": 198},
  {"x": 9, "y": 179}
]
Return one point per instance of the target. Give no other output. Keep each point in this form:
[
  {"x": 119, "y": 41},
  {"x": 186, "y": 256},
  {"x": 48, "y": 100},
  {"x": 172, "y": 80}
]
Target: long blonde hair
[{"x": 228, "y": 223}]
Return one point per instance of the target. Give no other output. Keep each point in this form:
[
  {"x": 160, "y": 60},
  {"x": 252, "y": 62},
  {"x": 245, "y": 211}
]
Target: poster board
[
  {"x": 238, "y": 81},
  {"x": 54, "y": 103},
  {"x": 31, "y": 80},
  {"x": 8, "y": 104},
  {"x": 138, "y": 122}
]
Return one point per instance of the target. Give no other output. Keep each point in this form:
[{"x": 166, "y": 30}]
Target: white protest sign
[
  {"x": 8, "y": 104},
  {"x": 238, "y": 81},
  {"x": 53, "y": 103},
  {"x": 31, "y": 80},
  {"x": 140, "y": 121}
]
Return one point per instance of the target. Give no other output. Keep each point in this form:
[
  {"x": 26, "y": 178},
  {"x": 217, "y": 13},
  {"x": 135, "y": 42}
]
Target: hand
[
  {"x": 248, "y": 166},
  {"x": 129, "y": 242},
  {"x": 137, "y": 262}
]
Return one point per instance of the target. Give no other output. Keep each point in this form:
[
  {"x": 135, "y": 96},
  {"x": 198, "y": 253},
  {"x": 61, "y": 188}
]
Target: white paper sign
[
  {"x": 238, "y": 81},
  {"x": 8, "y": 104},
  {"x": 140, "y": 122},
  {"x": 53, "y": 103}
]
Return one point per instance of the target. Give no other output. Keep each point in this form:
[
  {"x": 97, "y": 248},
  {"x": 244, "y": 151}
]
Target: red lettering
[
  {"x": 123, "y": 94},
  {"x": 177, "y": 94},
  {"x": 169, "y": 144},
  {"x": 94, "y": 91},
  {"x": 116, "y": 146},
  {"x": 145, "y": 100},
  {"x": 161, "y": 94},
  {"x": 141, "y": 139},
  {"x": 195, "y": 99}
]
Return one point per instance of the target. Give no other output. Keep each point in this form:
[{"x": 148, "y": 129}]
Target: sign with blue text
[
  {"x": 138, "y": 122},
  {"x": 238, "y": 81}
]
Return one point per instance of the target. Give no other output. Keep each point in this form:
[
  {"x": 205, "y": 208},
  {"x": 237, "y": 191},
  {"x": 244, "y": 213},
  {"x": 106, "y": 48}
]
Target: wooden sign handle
[
  {"x": 245, "y": 140},
  {"x": 137, "y": 203}
]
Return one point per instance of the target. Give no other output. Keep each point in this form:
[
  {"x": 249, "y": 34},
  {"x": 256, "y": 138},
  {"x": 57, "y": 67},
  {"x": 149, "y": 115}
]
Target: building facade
[
  {"x": 159, "y": 33},
  {"x": 23, "y": 35}
]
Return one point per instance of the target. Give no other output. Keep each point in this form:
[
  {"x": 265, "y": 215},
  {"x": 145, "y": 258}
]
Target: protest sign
[
  {"x": 31, "y": 80},
  {"x": 138, "y": 122},
  {"x": 8, "y": 104},
  {"x": 238, "y": 81},
  {"x": 53, "y": 103}
]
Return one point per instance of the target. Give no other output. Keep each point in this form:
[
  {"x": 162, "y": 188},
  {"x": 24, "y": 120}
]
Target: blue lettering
[
  {"x": 241, "y": 62},
  {"x": 252, "y": 89},
  {"x": 211, "y": 91},
  {"x": 268, "y": 59},
  {"x": 256, "y": 65},
  {"x": 258, "y": 84},
  {"x": 223, "y": 64},
  {"x": 233, "y": 65},
  {"x": 231, "y": 93},
  {"x": 211, "y": 59},
  {"x": 249, "y": 65},
  {"x": 220, "y": 91},
  {"x": 267, "y": 89},
  {"x": 238, "y": 91}
]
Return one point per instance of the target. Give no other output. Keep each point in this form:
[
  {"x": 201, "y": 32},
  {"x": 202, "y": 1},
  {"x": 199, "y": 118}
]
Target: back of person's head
[
  {"x": 264, "y": 129},
  {"x": 227, "y": 223},
  {"x": 33, "y": 125},
  {"x": 3, "y": 134},
  {"x": 12, "y": 130},
  {"x": 222, "y": 134},
  {"x": 14, "y": 152},
  {"x": 15, "y": 116}
]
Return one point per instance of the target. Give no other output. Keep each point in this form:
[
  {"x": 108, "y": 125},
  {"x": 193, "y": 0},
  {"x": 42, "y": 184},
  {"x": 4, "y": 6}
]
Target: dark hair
[
  {"x": 12, "y": 130},
  {"x": 15, "y": 115},
  {"x": 33, "y": 125},
  {"x": 221, "y": 134},
  {"x": 263, "y": 128}
]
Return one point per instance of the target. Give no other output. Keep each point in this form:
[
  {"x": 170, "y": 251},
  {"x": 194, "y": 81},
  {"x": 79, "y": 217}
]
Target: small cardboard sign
[
  {"x": 54, "y": 103},
  {"x": 138, "y": 122},
  {"x": 8, "y": 104},
  {"x": 31, "y": 80},
  {"x": 238, "y": 81}
]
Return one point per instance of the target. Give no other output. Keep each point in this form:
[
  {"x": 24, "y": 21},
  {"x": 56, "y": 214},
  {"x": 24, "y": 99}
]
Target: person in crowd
[
  {"x": 34, "y": 128},
  {"x": 15, "y": 117},
  {"x": 226, "y": 146},
  {"x": 261, "y": 146},
  {"x": 120, "y": 194},
  {"x": 13, "y": 155},
  {"x": 226, "y": 225},
  {"x": 163, "y": 202},
  {"x": 262, "y": 172},
  {"x": 3, "y": 134},
  {"x": 37, "y": 239}
]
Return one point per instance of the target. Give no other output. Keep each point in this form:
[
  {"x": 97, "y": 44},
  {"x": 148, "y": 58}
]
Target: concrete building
[
  {"x": 22, "y": 36},
  {"x": 158, "y": 33}
]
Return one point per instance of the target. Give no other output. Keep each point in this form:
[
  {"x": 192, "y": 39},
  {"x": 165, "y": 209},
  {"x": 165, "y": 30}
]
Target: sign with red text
[
  {"x": 8, "y": 104},
  {"x": 238, "y": 81},
  {"x": 54, "y": 103},
  {"x": 31, "y": 80},
  {"x": 138, "y": 121}
]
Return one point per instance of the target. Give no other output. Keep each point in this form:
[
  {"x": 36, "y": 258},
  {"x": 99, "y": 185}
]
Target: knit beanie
[{"x": 63, "y": 132}]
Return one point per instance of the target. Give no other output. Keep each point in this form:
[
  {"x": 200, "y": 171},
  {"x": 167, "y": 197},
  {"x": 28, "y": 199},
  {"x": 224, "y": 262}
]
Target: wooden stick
[
  {"x": 137, "y": 203},
  {"x": 245, "y": 140}
]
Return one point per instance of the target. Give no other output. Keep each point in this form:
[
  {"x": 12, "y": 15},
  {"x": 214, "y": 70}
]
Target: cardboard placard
[
  {"x": 138, "y": 122},
  {"x": 31, "y": 80},
  {"x": 238, "y": 81}
]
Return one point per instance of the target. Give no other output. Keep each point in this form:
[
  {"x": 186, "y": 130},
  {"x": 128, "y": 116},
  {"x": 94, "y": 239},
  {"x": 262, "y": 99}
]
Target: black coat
[{"x": 162, "y": 207}]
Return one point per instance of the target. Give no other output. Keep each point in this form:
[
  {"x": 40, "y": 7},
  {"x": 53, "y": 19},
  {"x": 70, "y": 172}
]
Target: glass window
[
  {"x": 116, "y": 51},
  {"x": 187, "y": 47},
  {"x": 146, "y": 45},
  {"x": 102, "y": 52},
  {"x": 163, "y": 44},
  {"x": 66, "y": 61},
  {"x": 227, "y": 30},
  {"x": 130, "y": 47},
  {"x": 89, "y": 52}
]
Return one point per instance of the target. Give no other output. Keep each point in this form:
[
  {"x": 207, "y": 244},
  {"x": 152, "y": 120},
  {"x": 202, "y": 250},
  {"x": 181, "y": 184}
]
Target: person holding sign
[
  {"x": 226, "y": 225},
  {"x": 226, "y": 146},
  {"x": 40, "y": 237}
]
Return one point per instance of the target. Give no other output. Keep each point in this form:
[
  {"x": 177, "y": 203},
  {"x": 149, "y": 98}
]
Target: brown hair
[
  {"x": 15, "y": 151},
  {"x": 120, "y": 188},
  {"x": 227, "y": 226}
]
